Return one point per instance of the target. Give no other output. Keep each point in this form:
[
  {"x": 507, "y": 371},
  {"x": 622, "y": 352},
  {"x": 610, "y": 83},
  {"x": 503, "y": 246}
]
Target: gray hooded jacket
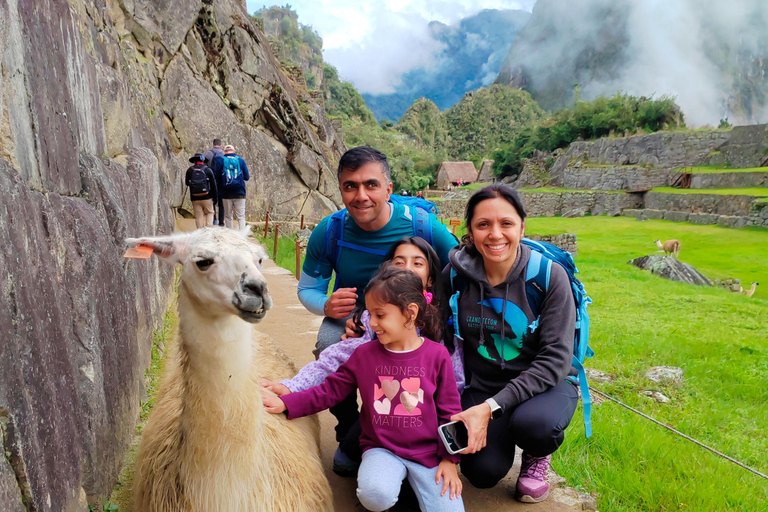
[{"x": 502, "y": 355}]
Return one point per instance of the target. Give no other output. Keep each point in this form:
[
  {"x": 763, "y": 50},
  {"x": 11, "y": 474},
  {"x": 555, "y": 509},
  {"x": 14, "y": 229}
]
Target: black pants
[
  {"x": 536, "y": 425},
  {"x": 220, "y": 213}
]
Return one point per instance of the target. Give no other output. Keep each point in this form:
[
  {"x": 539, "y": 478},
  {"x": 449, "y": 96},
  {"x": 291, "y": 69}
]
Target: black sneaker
[{"x": 343, "y": 465}]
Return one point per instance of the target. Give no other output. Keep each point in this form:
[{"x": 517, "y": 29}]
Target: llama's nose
[{"x": 252, "y": 286}]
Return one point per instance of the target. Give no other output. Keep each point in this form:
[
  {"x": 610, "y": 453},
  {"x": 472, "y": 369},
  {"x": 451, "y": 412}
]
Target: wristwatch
[{"x": 495, "y": 409}]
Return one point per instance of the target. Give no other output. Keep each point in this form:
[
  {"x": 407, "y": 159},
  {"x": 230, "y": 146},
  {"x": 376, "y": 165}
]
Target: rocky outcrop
[
  {"x": 101, "y": 103},
  {"x": 672, "y": 269}
]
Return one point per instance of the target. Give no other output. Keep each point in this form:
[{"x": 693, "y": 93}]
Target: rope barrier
[{"x": 684, "y": 436}]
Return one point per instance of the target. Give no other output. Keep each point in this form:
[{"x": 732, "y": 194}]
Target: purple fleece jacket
[
  {"x": 405, "y": 395},
  {"x": 315, "y": 373}
]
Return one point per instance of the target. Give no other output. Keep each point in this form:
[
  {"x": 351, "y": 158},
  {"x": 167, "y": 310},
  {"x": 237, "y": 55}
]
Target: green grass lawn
[
  {"x": 720, "y": 340},
  {"x": 720, "y": 170},
  {"x": 754, "y": 191},
  {"x": 638, "y": 321}
]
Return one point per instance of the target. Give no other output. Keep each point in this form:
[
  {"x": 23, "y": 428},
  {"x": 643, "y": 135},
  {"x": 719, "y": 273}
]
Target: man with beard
[{"x": 371, "y": 225}]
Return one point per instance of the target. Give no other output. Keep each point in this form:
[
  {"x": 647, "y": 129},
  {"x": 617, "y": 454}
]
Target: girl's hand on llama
[
  {"x": 341, "y": 303},
  {"x": 447, "y": 471},
  {"x": 275, "y": 387},
  {"x": 272, "y": 403},
  {"x": 476, "y": 419}
]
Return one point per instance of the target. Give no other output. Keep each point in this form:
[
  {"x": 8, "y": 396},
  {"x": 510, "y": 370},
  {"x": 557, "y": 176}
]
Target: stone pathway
[{"x": 295, "y": 330}]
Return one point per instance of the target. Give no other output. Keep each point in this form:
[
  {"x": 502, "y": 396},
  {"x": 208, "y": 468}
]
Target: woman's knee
[{"x": 484, "y": 474}]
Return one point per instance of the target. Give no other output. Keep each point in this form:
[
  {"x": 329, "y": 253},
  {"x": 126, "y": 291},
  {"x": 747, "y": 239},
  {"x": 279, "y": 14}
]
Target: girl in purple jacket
[{"x": 408, "y": 389}]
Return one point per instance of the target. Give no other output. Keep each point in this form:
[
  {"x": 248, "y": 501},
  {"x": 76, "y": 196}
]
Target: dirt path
[{"x": 295, "y": 330}]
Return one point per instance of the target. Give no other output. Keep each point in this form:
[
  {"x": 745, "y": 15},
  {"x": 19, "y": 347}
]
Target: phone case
[{"x": 450, "y": 443}]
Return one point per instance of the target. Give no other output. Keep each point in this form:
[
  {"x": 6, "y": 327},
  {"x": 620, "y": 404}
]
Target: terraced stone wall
[{"x": 730, "y": 180}]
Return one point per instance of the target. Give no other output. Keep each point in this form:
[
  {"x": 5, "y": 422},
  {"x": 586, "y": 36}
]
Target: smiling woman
[{"x": 516, "y": 361}]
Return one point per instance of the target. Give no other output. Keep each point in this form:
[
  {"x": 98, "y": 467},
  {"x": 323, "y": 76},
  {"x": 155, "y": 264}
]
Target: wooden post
[
  {"x": 298, "y": 256},
  {"x": 274, "y": 249},
  {"x": 302, "y": 221},
  {"x": 454, "y": 229},
  {"x": 266, "y": 225}
]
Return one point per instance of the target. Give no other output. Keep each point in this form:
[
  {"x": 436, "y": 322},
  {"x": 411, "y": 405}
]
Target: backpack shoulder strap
[
  {"x": 422, "y": 224},
  {"x": 537, "y": 281},
  {"x": 458, "y": 285},
  {"x": 334, "y": 240}
]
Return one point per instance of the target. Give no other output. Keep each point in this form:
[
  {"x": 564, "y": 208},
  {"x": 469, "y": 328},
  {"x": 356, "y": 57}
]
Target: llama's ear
[{"x": 172, "y": 249}]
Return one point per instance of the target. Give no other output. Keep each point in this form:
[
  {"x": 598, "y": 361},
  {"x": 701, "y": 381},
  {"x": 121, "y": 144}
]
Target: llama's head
[{"x": 220, "y": 270}]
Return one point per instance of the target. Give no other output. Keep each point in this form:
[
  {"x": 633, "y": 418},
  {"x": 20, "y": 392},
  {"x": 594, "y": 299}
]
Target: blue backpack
[
  {"x": 536, "y": 286},
  {"x": 232, "y": 175},
  {"x": 334, "y": 233}
]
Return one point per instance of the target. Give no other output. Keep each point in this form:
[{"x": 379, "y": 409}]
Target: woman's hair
[
  {"x": 501, "y": 190},
  {"x": 401, "y": 287}
]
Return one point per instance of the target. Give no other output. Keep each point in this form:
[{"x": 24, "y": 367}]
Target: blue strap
[
  {"x": 422, "y": 224},
  {"x": 537, "y": 281},
  {"x": 349, "y": 245},
  {"x": 586, "y": 400},
  {"x": 453, "y": 303}
]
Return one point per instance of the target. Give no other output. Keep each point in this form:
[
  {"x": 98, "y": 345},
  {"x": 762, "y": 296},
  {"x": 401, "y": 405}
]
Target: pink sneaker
[{"x": 532, "y": 485}]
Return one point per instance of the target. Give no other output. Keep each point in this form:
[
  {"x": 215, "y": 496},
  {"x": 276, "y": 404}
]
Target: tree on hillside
[
  {"x": 488, "y": 118},
  {"x": 424, "y": 121}
]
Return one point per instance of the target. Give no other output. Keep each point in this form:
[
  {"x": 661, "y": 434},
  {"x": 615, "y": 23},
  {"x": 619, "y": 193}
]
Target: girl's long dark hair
[
  {"x": 433, "y": 263},
  {"x": 402, "y": 287}
]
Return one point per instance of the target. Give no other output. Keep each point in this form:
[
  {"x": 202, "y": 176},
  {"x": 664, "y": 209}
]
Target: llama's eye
[
  {"x": 260, "y": 260},
  {"x": 204, "y": 264}
]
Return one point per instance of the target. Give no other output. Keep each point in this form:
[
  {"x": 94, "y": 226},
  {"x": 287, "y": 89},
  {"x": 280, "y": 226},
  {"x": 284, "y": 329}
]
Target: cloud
[{"x": 373, "y": 43}]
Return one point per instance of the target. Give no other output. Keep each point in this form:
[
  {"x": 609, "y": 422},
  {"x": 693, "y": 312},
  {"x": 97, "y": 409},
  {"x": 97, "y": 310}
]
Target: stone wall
[
  {"x": 616, "y": 177},
  {"x": 565, "y": 241},
  {"x": 757, "y": 217},
  {"x": 700, "y": 203},
  {"x": 746, "y": 148},
  {"x": 550, "y": 204},
  {"x": 729, "y": 180},
  {"x": 101, "y": 104},
  {"x": 662, "y": 149}
]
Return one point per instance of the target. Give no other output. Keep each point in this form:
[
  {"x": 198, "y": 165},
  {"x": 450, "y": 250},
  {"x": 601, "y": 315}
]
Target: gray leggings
[{"x": 381, "y": 475}]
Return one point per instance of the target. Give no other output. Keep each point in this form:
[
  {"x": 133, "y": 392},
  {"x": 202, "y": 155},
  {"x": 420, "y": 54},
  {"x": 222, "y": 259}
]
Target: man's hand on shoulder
[{"x": 341, "y": 303}]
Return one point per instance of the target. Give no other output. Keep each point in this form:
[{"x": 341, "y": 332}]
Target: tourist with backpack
[
  {"x": 513, "y": 310},
  {"x": 202, "y": 191},
  {"x": 353, "y": 242},
  {"x": 216, "y": 151},
  {"x": 231, "y": 174}
]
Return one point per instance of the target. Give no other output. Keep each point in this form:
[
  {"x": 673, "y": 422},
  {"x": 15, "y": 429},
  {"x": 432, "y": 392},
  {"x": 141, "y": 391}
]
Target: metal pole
[
  {"x": 274, "y": 249},
  {"x": 298, "y": 256},
  {"x": 266, "y": 225},
  {"x": 302, "y": 221}
]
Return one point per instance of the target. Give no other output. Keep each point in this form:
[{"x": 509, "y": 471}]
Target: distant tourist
[
  {"x": 231, "y": 174},
  {"x": 420, "y": 194},
  {"x": 212, "y": 153},
  {"x": 202, "y": 191}
]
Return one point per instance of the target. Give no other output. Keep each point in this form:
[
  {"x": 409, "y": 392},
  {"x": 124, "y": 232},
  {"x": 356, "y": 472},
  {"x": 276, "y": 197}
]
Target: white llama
[{"x": 208, "y": 445}]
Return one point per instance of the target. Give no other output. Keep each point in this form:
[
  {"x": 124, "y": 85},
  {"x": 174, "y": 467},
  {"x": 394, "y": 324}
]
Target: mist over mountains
[
  {"x": 711, "y": 56},
  {"x": 471, "y": 55}
]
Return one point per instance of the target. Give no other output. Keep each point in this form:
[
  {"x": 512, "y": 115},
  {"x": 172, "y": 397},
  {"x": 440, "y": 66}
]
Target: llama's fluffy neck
[{"x": 217, "y": 353}]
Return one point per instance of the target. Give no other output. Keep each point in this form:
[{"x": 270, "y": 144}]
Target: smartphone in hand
[{"x": 455, "y": 436}]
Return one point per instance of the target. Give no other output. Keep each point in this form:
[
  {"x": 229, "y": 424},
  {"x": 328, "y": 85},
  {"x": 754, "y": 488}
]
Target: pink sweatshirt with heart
[{"x": 405, "y": 395}]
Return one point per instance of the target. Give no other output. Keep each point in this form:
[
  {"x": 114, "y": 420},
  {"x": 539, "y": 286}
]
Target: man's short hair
[
  {"x": 217, "y": 142},
  {"x": 229, "y": 148},
  {"x": 357, "y": 157}
]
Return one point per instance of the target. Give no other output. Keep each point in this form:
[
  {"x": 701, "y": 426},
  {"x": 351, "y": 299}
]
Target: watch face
[{"x": 496, "y": 413}]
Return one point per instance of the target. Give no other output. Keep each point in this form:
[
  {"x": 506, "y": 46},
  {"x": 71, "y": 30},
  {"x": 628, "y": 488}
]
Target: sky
[{"x": 392, "y": 34}]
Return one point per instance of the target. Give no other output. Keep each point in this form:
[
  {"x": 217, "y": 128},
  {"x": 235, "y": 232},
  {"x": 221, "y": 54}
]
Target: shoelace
[{"x": 535, "y": 467}]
